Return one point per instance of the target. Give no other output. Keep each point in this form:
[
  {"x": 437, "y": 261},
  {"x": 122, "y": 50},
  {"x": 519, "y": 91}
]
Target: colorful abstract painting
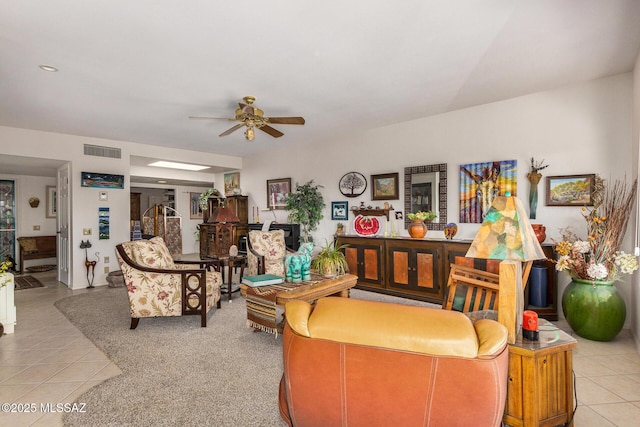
[{"x": 480, "y": 183}]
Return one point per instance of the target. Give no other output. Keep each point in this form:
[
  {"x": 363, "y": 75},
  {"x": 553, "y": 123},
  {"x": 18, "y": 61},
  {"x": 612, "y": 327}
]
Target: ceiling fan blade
[
  {"x": 287, "y": 120},
  {"x": 233, "y": 129},
  {"x": 210, "y": 118},
  {"x": 271, "y": 131}
]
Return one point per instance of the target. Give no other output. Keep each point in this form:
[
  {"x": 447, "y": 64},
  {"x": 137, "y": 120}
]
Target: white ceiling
[{"x": 135, "y": 70}]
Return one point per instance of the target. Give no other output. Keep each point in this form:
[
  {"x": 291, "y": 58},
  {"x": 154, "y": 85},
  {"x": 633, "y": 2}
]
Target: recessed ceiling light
[
  {"x": 174, "y": 165},
  {"x": 162, "y": 181},
  {"x": 48, "y": 68}
]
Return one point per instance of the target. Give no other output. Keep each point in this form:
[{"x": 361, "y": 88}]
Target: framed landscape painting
[
  {"x": 231, "y": 183},
  {"x": 101, "y": 180},
  {"x": 384, "y": 186},
  {"x": 570, "y": 190}
]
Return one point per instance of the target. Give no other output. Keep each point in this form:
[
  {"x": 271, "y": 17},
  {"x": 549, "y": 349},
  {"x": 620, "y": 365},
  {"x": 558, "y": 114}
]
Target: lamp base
[{"x": 530, "y": 335}]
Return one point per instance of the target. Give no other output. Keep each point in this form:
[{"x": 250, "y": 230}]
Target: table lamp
[{"x": 506, "y": 234}]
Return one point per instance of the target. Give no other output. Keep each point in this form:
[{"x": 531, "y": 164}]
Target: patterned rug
[
  {"x": 261, "y": 306},
  {"x": 41, "y": 268},
  {"x": 27, "y": 282},
  {"x": 262, "y": 311}
]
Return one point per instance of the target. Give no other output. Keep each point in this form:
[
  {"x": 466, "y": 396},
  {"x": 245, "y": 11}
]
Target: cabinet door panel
[
  {"x": 425, "y": 274},
  {"x": 371, "y": 267},
  {"x": 400, "y": 268},
  {"x": 351, "y": 255}
]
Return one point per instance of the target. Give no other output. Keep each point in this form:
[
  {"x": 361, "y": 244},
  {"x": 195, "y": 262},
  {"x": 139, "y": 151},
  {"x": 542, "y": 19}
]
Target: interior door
[{"x": 63, "y": 220}]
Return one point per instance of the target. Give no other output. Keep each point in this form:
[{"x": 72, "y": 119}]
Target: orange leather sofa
[{"x": 350, "y": 362}]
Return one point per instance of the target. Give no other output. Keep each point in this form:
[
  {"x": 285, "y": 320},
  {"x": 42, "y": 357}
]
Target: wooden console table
[{"x": 540, "y": 385}]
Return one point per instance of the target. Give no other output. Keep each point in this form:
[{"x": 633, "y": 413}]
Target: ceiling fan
[{"x": 252, "y": 117}]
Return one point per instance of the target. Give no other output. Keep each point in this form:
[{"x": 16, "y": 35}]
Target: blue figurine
[
  {"x": 305, "y": 254},
  {"x": 297, "y": 267}
]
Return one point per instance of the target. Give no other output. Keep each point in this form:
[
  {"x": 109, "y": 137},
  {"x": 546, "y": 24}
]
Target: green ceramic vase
[{"x": 594, "y": 309}]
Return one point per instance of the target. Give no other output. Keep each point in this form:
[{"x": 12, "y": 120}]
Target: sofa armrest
[
  {"x": 492, "y": 337},
  {"x": 297, "y": 314}
]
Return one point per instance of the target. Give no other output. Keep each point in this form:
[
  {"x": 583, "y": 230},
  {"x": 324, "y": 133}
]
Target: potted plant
[
  {"x": 330, "y": 261},
  {"x": 305, "y": 206},
  {"x": 339, "y": 229},
  {"x": 203, "y": 200},
  {"x": 417, "y": 228},
  {"x": 591, "y": 303},
  {"x": 422, "y": 216}
]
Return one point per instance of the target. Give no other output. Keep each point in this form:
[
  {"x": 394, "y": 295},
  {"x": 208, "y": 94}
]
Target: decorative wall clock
[{"x": 352, "y": 184}]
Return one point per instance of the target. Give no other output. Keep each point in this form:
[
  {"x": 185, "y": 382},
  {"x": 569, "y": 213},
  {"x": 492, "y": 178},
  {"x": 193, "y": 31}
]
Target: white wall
[
  {"x": 634, "y": 315},
  {"x": 584, "y": 128},
  {"x": 84, "y": 201}
]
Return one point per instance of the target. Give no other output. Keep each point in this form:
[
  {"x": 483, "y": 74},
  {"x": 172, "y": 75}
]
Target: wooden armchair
[
  {"x": 478, "y": 290},
  {"x": 472, "y": 290},
  {"x": 156, "y": 286}
]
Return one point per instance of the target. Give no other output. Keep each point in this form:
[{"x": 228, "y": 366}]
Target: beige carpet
[{"x": 174, "y": 371}]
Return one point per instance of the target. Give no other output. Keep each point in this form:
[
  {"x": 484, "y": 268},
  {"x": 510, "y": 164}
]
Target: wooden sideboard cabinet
[{"x": 419, "y": 268}]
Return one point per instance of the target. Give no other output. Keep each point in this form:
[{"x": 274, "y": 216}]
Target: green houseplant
[
  {"x": 203, "y": 200},
  {"x": 422, "y": 216},
  {"x": 305, "y": 206},
  {"x": 330, "y": 261}
]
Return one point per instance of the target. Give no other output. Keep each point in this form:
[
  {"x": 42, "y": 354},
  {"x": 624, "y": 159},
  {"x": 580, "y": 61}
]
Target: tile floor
[{"x": 47, "y": 360}]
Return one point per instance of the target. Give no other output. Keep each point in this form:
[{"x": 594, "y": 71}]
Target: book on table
[{"x": 262, "y": 280}]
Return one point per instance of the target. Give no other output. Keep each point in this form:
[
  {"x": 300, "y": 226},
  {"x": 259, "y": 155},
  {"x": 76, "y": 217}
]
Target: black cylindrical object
[{"x": 538, "y": 286}]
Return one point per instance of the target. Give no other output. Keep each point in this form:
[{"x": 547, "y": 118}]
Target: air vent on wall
[{"x": 99, "y": 151}]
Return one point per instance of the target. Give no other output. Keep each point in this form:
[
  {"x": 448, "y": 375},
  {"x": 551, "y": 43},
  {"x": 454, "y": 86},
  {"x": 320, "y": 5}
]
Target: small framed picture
[
  {"x": 52, "y": 202},
  {"x": 277, "y": 192},
  {"x": 384, "y": 186},
  {"x": 195, "y": 212},
  {"x": 231, "y": 183},
  {"x": 570, "y": 190},
  {"x": 103, "y": 196},
  {"x": 339, "y": 211}
]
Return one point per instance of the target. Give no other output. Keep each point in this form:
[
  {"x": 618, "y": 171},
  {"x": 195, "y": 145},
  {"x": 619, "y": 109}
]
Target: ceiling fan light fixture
[{"x": 250, "y": 134}]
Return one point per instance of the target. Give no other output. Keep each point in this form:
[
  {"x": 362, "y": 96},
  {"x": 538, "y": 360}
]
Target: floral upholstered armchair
[
  {"x": 159, "y": 287},
  {"x": 265, "y": 252}
]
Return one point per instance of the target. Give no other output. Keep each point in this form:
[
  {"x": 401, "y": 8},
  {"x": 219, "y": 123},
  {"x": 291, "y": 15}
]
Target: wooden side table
[
  {"x": 217, "y": 264},
  {"x": 231, "y": 263},
  {"x": 540, "y": 388}
]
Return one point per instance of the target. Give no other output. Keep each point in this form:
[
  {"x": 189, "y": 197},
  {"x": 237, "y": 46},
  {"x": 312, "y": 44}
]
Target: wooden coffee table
[
  {"x": 338, "y": 286},
  {"x": 261, "y": 309}
]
